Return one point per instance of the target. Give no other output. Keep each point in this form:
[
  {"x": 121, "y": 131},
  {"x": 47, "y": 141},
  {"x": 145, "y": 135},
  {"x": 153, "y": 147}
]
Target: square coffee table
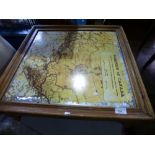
[{"x": 75, "y": 71}]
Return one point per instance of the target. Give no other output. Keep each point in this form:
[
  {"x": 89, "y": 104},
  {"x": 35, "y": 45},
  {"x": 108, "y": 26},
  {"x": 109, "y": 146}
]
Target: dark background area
[{"x": 141, "y": 37}]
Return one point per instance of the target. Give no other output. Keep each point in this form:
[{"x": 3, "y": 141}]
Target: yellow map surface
[{"x": 75, "y": 68}]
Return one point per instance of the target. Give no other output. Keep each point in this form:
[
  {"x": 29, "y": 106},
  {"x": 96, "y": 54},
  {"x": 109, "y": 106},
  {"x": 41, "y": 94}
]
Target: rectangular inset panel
[{"x": 84, "y": 68}]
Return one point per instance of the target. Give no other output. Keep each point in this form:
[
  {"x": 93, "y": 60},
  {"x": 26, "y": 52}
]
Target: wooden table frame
[{"x": 143, "y": 110}]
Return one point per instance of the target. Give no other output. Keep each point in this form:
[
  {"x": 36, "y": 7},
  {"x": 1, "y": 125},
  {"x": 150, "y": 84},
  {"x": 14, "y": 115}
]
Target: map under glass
[{"x": 84, "y": 68}]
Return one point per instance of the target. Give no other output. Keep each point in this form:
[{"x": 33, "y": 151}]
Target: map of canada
[{"x": 72, "y": 68}]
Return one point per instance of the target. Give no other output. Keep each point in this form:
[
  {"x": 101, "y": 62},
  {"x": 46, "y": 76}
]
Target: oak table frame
[{"x": 143, "y": 110}]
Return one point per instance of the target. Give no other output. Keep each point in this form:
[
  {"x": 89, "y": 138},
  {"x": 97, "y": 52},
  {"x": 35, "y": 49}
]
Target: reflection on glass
[
  {"x": 79, "y": 82},
  {"x": 38, "y": 38}
]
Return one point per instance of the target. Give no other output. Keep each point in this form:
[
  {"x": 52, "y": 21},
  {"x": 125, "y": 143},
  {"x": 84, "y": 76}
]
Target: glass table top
[{"x": 84, "y": 68}]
